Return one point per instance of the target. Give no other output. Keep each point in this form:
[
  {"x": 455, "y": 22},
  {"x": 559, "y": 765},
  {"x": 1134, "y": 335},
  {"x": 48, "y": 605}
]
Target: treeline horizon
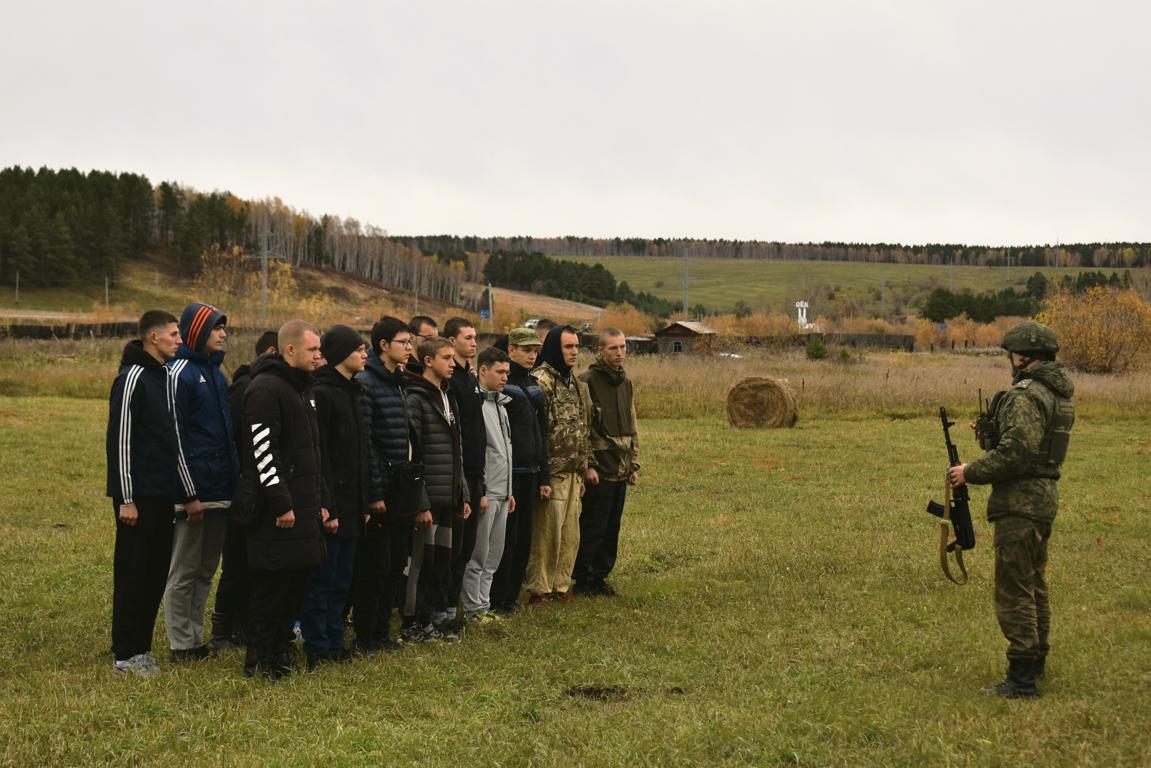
[
  {"x": 1113, "y": 255},
  {"x": 63, "y": 226}
]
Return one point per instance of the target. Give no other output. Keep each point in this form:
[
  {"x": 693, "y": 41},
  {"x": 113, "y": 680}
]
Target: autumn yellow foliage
[{"x": 1101, "y": 330}]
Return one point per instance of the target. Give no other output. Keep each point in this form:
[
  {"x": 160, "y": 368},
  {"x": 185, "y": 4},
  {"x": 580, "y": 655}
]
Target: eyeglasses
[{"x": 405, "y": 342}]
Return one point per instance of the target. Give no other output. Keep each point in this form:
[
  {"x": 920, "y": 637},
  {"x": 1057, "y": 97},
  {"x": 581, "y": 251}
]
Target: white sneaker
[
  {"x": 141, "y": 664},
  {"x": 150, "y": 662}
]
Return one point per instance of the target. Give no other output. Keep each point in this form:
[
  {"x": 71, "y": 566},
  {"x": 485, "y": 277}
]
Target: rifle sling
[{"x": 944, "y": 533}]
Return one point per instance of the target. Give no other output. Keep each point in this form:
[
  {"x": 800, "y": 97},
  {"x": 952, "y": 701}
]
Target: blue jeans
[{"x": 322, "y": 620}]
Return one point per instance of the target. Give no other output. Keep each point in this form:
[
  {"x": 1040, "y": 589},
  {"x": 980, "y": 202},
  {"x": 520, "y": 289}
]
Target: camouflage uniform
[
  {"x": 1024, "y": 499},
  {"x": 555, "y": 526}
]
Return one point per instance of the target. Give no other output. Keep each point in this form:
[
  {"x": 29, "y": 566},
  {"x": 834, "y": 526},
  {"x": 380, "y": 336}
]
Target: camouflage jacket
[
  {"x": 1023, "y": 483},
  {"x": 567, "y": 417},
  {"x": 613, "y": 434}
]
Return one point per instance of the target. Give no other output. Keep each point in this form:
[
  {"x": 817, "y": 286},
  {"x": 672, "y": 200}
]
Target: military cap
[{"x": 523, "y": 337}]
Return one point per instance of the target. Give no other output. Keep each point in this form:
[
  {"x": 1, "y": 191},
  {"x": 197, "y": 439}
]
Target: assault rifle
[{"x": 954, "y": 512}]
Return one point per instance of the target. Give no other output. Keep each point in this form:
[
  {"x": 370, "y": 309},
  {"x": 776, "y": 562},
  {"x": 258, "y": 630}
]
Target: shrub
[
  {"x": 1100, "y": 330},
  {"x": 816, "y": 349}
]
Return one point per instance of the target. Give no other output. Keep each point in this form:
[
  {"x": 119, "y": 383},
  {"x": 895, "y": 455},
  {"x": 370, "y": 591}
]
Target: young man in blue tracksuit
[
  {"x": 201, "y": 395},
  {"x": 147, "y": 474}
]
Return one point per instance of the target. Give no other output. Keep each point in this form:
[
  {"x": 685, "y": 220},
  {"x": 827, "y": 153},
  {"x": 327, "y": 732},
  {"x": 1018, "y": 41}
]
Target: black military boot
[
  {"x": 221, "y": 631},
  {"x": 1040, "y": 667},
  {"x": 1019, "y": 683},
  {"x": 252, "y": 657}
]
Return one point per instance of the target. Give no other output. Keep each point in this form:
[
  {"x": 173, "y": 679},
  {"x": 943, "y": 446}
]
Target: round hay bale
[{"x": 761, "y": 401}]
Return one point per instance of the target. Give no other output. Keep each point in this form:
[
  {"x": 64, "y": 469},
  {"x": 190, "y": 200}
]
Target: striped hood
[{"x": 196, "y": 322}]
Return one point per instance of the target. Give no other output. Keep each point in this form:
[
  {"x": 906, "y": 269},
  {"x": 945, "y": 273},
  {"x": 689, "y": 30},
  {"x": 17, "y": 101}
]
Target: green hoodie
[
  {"x": 1022, "y": 482},
  {"x": 614, "y": 439}
]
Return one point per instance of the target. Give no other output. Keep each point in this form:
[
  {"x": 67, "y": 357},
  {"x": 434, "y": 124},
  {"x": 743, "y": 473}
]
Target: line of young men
[{"x": 353, "y": 472}]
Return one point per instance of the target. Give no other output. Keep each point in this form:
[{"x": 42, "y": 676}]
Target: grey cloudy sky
[{"x": 901, "y": 121}]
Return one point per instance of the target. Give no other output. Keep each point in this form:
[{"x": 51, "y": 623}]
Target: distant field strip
[{"x": 776, "y": 285}]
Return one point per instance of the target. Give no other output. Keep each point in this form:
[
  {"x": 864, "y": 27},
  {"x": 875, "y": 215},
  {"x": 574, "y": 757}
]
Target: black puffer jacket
[
  {"x": 382, "y": 402},
  {"x": 283, "y": 451},
  {"x": 528, "y": 415},
  {"x": 436, "y": 443},
  {"x": 466, "y": 388},
  {"x": 343, "y": 448}
]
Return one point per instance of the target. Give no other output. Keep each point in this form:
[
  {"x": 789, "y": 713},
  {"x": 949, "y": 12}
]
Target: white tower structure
[{"x": 801, "y": 314}]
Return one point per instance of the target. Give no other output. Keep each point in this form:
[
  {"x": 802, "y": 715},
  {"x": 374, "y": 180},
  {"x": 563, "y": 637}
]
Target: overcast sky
[{"x": 902, "y": 121}]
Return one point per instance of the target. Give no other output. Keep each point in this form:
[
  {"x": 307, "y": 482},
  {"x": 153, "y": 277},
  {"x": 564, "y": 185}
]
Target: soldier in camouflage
[
  {"x": 555, "y": 526},
  {"x": 1025, "y": 434}
]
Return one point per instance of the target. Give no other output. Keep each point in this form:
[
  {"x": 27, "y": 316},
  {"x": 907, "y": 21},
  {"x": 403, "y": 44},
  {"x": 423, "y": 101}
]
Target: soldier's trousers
[
  {"x": 555, "y": 537},
  {"x": 1021, "y": 604}
]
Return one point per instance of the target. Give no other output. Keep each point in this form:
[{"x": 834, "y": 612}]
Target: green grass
[
  {"x": 781, "y": 604},
  {"x": 776, "y": 285}
]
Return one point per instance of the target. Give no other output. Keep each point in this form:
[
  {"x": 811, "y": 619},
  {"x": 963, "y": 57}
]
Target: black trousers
[
  {"x": 234, "y": 590},
  {"x": 509, "y": 579},
  {"x": 139, "y": 573},
  {"x": 380, "y": 561},
  {"x": 276, "y": 601},
  {"x": 464, "y": 541},
  {"x": 599, "y": 530}
]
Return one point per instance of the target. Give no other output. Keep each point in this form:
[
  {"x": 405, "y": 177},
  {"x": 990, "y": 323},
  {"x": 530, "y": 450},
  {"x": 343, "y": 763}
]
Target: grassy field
[
  {"x": 776, "y": 285},
  {"x": 781, "y": 605}
]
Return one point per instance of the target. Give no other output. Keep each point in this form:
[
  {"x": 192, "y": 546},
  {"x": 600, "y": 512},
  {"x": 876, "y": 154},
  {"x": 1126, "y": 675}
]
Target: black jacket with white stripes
[
  {"x": 143, "y": 444},
  {"x": 283, "y": 449}
]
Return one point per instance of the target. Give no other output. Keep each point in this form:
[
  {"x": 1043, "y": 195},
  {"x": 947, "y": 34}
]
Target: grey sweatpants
[
  {"x": 490, "y": 529},
  {"x": 196, "y": 551}
]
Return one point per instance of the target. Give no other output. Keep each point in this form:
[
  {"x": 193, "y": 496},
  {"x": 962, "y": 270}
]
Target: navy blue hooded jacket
[
  {"x": 143, "y": 443},
  {"x": 204, "y": 415},
  {"x": 528, "y": 415}
]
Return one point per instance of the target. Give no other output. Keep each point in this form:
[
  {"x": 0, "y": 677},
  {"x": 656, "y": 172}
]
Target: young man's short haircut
[
  {"x": 545, "y": 325},
  {"x": 153, "y": 320},
  {"x": 292, "y": 332},
  {"x": 609, "y": 333},
  {"x": 386, "y": 330},
  {"x": 418, "y": 321},
  {"x": 490, "y": 356},
  {"x": 267, "y": 339},
  {"x": 429, "y": 347},
  {"x": 456, "y": 324}
]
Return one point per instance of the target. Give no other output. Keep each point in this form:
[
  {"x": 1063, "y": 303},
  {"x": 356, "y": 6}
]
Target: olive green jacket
[
  {"x": 614, "y": 438},
  {"x": 565, "y": 403},
  {"x": 1022, "y": 482}
]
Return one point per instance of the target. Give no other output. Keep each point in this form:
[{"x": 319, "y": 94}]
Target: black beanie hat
[{"x": 338, "y": 342}]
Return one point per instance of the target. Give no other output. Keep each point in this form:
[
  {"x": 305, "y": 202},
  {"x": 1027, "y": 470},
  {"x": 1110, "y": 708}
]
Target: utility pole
[
  {"x": 17, "y": 287},
  {"x": 685, "y": 280},
  {"x": 491, "y": 307},
  {"x": 264, "y": 273},
  {"x": 157, "y": 284},
  {"x": 106, "y": 302}
]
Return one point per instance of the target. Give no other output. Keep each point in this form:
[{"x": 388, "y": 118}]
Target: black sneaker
[
  {"x": 444, "y": 632},
  {"x": 603, "y": 589},
  {"x": 414, "y": 633}
]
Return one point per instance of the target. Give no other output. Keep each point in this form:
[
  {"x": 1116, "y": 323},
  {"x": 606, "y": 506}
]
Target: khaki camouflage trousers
[
  {"x": 1021, "y": 604},
  {"x": 555, "y": 537}
]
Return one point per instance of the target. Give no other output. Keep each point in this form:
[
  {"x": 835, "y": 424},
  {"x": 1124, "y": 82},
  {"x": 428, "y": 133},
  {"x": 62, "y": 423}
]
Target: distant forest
[
  {"x": 58, "y": 227},
  {"x": 62, "y": 226},
  {"x": 1095, "y": 255}
]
